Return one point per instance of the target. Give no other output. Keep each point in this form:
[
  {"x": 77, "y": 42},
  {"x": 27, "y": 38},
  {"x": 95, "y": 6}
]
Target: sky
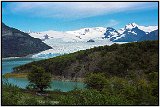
[{"x": 65, "y": 16}]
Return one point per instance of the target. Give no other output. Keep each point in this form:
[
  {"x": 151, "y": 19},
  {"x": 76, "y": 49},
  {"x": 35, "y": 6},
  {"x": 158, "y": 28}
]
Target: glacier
[
  {"x": 61, "y": 48},
  {"x": 64, "y": 42}
]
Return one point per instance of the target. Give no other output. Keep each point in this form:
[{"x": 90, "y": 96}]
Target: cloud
[{"x": 75, "y": 10}]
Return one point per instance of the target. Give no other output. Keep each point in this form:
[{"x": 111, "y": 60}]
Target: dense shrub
[
  {"x": 95, "y": 81},
  {"x": 10, "y": 94}
]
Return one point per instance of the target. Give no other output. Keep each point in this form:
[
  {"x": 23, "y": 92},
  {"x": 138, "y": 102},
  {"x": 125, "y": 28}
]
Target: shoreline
[
  {"x": 27, "y": 56},
  {"x": 10, "y": 58},
  {"x": 60, "y": 78}
]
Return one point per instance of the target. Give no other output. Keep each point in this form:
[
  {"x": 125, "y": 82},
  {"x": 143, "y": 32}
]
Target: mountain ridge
[
  {"x": 16, "y": 43},
  {"x": 97, "y": 33}
]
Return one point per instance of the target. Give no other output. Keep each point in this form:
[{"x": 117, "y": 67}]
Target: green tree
[
  {"x": 95, "y": 81},
  {"x": 39, "y": 78}
]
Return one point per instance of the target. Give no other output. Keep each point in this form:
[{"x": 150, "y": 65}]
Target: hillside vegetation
[
  {"x": 138, "y": 58},
  {"x": 124, "y": 74}
]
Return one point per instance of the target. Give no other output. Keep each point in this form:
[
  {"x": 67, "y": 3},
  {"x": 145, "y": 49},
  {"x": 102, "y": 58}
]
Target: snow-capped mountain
[
  {"x": 130, "y": 35},
  {"x": 71, "y": 36},
  {"x": 85, "y": 38},
  {"x": 146, "y": 29},
  {"x": 131, "y": 32},
  {"x": 89, "y": 33},
  {"x": 57, "y": 35},
  {"x": 111, "y": 34}
]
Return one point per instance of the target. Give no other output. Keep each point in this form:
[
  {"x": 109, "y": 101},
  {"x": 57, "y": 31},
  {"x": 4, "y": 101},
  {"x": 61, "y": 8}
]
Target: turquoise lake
[{"x": 9, "y": 64}]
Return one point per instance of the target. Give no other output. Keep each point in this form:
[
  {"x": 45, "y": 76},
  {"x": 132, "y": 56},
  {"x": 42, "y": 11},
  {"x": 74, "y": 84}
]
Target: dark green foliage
[
  {"x": 137, "y": 91},
  {"x": 31, "y": 101},
  {"x": 92, "y": 97},
  {"x": 77, "y": 69},
  {"x": 95, "y": 81},
  {"x": 11, "y": 95},
  {"x": 39, "y": 78}
]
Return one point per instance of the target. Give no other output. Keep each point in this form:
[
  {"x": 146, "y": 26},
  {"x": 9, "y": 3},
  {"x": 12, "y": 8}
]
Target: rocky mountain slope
[
  {"x": 130, "y": 33},
  {"x": 150, "y": 36},
  {"x": 16, "y": 43}
]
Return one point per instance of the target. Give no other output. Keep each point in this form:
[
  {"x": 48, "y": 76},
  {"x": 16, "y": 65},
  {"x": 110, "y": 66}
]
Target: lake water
[
  {"x": 55, "y": 84},
  {"x": 9, "y": 64}
]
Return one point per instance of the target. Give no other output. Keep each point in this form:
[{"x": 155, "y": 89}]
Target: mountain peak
[
  {"x": 131, "y": 25},
  {"x": 110, "y": 28}
]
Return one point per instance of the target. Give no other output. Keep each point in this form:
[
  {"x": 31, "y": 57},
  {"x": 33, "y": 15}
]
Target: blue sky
[{"x": 63, "y": 16}]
